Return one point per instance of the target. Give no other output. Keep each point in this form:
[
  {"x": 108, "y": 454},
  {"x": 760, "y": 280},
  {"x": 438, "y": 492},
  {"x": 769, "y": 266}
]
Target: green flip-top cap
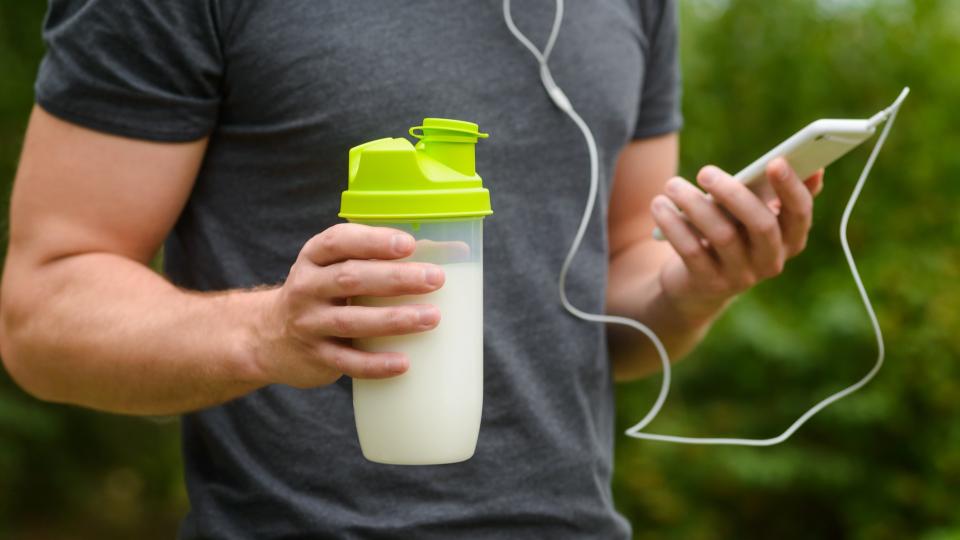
[{"x": 390, "y": 179}]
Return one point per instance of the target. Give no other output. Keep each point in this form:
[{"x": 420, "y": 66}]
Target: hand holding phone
[{"x": 812, "y": 148}]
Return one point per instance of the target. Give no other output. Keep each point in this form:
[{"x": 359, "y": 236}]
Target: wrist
[
  {"x": 693, "y": 310},
  {"x": 255, "y": 331}
]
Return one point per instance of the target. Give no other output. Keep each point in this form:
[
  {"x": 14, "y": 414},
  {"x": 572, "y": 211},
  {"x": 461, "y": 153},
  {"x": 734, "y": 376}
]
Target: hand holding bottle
[{"x": 307, "y": 321}]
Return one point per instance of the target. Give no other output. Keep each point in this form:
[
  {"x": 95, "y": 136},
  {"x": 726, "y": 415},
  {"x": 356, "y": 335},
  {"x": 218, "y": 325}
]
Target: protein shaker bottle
[{"x": 431, "y": 413}]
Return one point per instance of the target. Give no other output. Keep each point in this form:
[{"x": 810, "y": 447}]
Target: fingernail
[
  {"x": 708, "y": 179},
  {"x": 401, "y": 243},
  {"x": 427, "y": 315},
  {"x": 395, "y": 365},
  {"x": 433, "y": 275},
  {"x": 673, "y": 186}
]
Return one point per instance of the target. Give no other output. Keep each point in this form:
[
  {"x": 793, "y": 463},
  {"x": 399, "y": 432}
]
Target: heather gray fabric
[{"x": 284, "y": 90}]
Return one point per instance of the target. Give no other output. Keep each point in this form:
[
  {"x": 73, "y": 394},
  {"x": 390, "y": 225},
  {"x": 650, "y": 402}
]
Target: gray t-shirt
[{"x": 283, "y": 90}]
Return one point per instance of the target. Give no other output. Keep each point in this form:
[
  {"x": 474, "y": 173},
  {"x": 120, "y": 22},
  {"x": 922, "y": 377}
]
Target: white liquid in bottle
[{"x": 431, "y": 413}]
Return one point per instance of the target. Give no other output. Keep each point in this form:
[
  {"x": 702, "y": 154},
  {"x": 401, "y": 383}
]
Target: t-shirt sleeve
[
  {"x": 137, "y": 68},
  {"x": 659, "y": 111}
]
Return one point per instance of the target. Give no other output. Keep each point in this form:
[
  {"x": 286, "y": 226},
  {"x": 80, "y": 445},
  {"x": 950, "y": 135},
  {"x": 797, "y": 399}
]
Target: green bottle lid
[{"x": 390, "y": 179}]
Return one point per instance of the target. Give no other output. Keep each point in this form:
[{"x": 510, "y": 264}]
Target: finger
[
  {"x": 354, "y": 241},
  {"x": 763, "y": 229},
  {"x": 682, "y": 237},
  {"x": 815, "y": 183},
  {"x": 796, "y": 211},
  {"x": 362, "y": 364},
  {"x": 712, "y": 223},
  {"x": 774, "y": 206},
  {"x": 363, "y": 321},
  {"x": 376, "y": 278}
]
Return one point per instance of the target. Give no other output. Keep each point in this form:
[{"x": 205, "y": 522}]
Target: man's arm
[
  {"x": 85, "y": 321},
  {"x": 680, "y": 286},
  {"x": 636, "y": 258}
]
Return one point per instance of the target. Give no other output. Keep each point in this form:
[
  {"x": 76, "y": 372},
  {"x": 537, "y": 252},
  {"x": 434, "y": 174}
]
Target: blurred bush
[{"x": 882, "y": 464}]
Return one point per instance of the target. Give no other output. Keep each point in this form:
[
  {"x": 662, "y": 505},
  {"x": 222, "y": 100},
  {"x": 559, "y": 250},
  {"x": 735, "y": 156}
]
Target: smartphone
[{"x": 808, "y": 150}]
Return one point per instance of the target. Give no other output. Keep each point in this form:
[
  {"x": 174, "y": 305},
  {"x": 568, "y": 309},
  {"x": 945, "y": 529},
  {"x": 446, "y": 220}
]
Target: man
[{"x": 223, "y": 127}]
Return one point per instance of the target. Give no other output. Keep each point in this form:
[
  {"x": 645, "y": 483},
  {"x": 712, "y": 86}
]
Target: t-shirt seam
[
  {"x": 658, "y": 129},
  {"x": 662, "y": 118},
  {"x": 98, "y": 123}
]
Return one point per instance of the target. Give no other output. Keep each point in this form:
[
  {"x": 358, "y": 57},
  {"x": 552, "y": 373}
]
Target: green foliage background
[{"x": 882, "y": 464}]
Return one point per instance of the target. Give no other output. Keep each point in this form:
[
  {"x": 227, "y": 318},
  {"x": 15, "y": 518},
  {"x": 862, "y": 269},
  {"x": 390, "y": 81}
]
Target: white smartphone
[{"x": 810, "y": 149}]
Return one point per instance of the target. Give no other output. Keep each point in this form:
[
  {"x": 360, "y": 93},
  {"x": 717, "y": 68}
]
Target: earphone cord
[{"x": 563, "y": 103}]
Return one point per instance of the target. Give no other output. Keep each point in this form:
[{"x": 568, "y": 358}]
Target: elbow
[{"x": 15, "y": 349}]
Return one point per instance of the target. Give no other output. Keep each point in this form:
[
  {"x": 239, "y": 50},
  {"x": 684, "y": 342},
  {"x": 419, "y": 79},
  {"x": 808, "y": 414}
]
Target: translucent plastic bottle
[{"x": 431, "y": 413}]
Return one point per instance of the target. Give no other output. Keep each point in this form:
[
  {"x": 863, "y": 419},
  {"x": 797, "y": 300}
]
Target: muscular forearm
[
  {"x": 103, "y": 331},
  {"x": 634, "y": 291},
  {"x": 106, "y": 332}
]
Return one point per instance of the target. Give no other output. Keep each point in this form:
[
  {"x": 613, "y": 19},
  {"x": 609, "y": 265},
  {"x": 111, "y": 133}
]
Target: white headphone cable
[{"x": 563, "y": 103}]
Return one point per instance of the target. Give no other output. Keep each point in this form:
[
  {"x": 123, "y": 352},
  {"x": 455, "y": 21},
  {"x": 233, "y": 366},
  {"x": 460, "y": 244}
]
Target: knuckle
[
  {"x": 392, "y": 320},
  {"x": 341, "y": 323},
  {"x": 366, "y": 368},
  {"x": 297, "y": 325},
  {"x": 805, "y": 205},
  {"x": 401, "y": 319},
  {"x": 775, "y": 268},
  {"x": 331, "y": 236},
  {"x": 411, "y": 318},
  {"x": 310, "y": 246},
  {"x": 328, "y": 239},
  {"x": 402, "y": 274},
  {"x": 767, "y": 226},
  {"x": 724, "y": 236},
  {"x": 347, "y": 278},
  {"x": 689, "y": 250},
  {"x": 295, "y": 284},
  {"x": 300, "y": 286},
  {"x": 339, "y": 358}
]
